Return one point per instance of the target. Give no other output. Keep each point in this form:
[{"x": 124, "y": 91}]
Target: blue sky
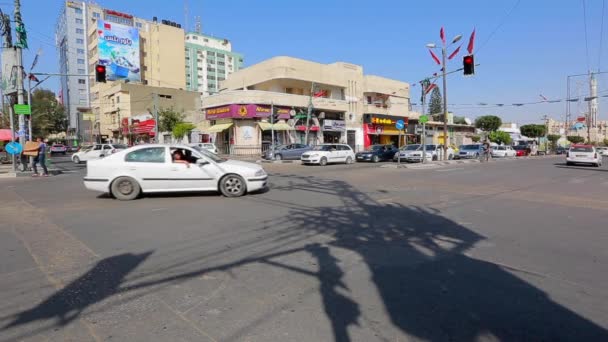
[{"x": 531, "y": 53}]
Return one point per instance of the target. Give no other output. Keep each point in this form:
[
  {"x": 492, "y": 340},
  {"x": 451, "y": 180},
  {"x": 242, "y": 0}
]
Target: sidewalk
[{"x": 6, "y": 171}]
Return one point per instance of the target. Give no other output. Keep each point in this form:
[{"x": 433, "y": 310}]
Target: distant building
[{"x": 209, "y": 61}]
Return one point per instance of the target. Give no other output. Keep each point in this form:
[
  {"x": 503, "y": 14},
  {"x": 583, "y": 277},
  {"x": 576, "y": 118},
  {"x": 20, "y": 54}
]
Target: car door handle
[{"x": 132, "y": 169}]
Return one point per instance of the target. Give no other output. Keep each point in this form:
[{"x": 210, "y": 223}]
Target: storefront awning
[
  {"x": 282, "y": 126},
  {"x": 265, "y": 126},
  {"x": 219, "y": 128}
]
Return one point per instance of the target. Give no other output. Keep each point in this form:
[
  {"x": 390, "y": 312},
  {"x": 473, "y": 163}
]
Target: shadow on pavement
[{"x": 429, "y": 287}]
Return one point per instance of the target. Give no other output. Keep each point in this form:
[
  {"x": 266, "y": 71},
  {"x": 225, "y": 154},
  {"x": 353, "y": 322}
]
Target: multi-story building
[
  {"x": 209, "y": 61},
  {"x": 322, "y": 102},
  {"x": 159, "y": 57}
]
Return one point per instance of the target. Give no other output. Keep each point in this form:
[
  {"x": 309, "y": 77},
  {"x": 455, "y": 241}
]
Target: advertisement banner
[
  {"x": 9, "y": 71},
  {"x": 334, "y": 125},
  {"x": 119, "y": 51},
  {"x": 245, "y": 111}
]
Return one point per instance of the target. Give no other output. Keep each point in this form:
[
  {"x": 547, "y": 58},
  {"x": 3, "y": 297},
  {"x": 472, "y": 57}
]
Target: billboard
[{"x": 119, "y": 51}]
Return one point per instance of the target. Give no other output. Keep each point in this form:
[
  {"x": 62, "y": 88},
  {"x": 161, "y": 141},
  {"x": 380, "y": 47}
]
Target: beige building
[
  {"x": 160, "y": 72},
  {"x": 578, "y": 128},
  {"x": 345, "y": 105}
]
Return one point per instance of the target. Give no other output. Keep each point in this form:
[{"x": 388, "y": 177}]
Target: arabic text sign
[{"x": 119, "y": 51}]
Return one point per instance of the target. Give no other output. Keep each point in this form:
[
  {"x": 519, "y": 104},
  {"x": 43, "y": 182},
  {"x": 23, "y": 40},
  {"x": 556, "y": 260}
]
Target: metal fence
[{"x": 243, "y": 150}]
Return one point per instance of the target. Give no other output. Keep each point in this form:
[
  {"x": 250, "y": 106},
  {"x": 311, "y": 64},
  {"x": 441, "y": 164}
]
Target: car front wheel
[
  {"x": 375, "y": 159},
  {"x": 76, "y": 160},
  {"x": 125, "y": 189},
  {"x": 232, "y": 186},
  {"x": 349, "y": 160},
  {"x": 278, "y": 157},
  {"x": 323, "y": 161}
]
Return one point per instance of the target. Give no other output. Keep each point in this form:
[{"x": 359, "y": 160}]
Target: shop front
[
  {"x": 334, "y": 131},
  {"x": 380, "y": 129}
]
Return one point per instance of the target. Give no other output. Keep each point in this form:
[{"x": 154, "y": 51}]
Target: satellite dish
[{"x": 468, "y": 121}]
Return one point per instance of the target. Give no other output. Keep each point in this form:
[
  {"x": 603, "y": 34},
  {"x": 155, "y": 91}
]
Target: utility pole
[
  {"x": 155, "y": 113},
  {"x": 309, "y": 113},
  {"x": 19, "y": 66},
  {"x": 445, "y": 102},
  {"x": 423, "y": 140},
  {"x": 546, "y": 119},
  {"x": 272, "y": 126}
]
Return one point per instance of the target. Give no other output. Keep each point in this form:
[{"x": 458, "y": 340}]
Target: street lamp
[{"x": 444, "y": 48}]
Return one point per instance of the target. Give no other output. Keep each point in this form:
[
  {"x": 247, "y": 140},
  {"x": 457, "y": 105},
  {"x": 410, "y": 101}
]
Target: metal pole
[
  {"x": 423, "y": 140},
  {"x": 445, "y": 104},
  {"x": 567, "y": 123},
  {"x": 12, "y": 122},
  {"x": 272, "y": 127},
  {"x": 29, "y": 124},
  {"x": 155, "y": 111},
  {"x": 312, "y": 87}
]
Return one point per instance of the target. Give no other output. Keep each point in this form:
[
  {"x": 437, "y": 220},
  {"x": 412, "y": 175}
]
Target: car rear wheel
[
  {"x": 278, "y": 157},
  {"x": 434, "y": 158},
  {"x": 569, "y": 163},
  {"x": 323, "y": 161},
  {"x": 76, "y": 160},
  {"x": 349, "y": 160},
  {"x": 125, "y": 188},
  {"x": 232, "y": 186},
  {"x": 375, "y": 159}
]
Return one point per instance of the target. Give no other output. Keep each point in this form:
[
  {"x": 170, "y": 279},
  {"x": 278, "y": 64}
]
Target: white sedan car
[
  {"x": 162, "y": 168},
  {"x": 329, "y": 153},
  {"x": 96, "y": 151},
  {"x": 205, "y": 146},
  {"x": 583, "y": 154},
  {"x": 503, "y": 152}
]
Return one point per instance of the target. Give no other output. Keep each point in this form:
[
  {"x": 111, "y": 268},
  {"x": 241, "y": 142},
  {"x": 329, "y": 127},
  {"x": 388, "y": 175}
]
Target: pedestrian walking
[
  {"x": 40, "y": 158},
  {"x": 486, "y": 151}
]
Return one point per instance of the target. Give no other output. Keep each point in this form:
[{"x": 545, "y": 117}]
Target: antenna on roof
[{"x": 197, "y": 26}]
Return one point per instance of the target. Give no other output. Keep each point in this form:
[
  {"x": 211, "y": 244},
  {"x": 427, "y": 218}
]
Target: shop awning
[
  {"x": 282, "y": 126},
  {"x": 219, "y": 128},
  {"x": 265, "y": 126}
]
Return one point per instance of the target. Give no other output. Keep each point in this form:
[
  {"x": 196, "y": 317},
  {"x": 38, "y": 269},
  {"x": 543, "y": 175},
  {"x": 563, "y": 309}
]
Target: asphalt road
[{"x": 501, "y": 251}]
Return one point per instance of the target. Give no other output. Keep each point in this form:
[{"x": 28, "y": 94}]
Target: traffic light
[
  {"x": 100, "y": 73},
  {"x": 468, "y": 65}
]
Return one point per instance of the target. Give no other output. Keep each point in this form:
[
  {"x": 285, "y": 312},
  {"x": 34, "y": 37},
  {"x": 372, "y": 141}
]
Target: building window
[
  {"x": 211, "y": 69},
  {"x": 220, "y": 78},
  {"x": 81, "y": 81},
  {"x": 211, "y": 85},
  {"x": 79, "y": 31},
  {"x": 80, "y": 61},
  {"x": 200, "y": 69},
  {"x": 80, "y": 51},
  {"x": 82, "y": 71},
  {"x": 165, "y": 96},
  {"x": 117, "y": 99},
  {"x": 139, "y": 25},
  {"x": 206, "y": 40},
  {"x": 96, "y": 15},
  {"x": 78, "y": 21},
  {"x": 221, "y": 63},
  {"x": 210, "y": 53},
  {"x": 220, "y": 55},
  {"x": 79, "y": 41},
  {"x": 210, "y": 77},
  {"x": 195, "y": 37},
  {"x": 78, "y": 10}
]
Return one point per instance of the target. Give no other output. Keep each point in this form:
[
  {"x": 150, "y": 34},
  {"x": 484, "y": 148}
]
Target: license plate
[{"x": 581, "y": 156}]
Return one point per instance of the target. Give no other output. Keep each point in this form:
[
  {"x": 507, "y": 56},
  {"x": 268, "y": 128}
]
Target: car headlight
[
  {"x": 260, "y": 173},
  {"x": 313, "y": 155}
]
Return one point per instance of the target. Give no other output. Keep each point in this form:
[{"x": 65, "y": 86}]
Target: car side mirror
[{"x": 201, "y": 162}]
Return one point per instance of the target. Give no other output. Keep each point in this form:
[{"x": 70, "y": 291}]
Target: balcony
[{"x": 279, "y": 99}]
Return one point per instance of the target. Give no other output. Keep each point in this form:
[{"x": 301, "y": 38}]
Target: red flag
[
  {"x": 320, "y": 93},
  {"x": 33, "y": 77},
  {"x": 454, "y": 53},
  {"x": 429, "y": 88},
  {"x": 442, "y": 35},
  {"x": 542, "y": 97},
  {"x": 471, "y": 42},
  {"x": 107, "y": 26},
  {"x": 434, "y": 57}
]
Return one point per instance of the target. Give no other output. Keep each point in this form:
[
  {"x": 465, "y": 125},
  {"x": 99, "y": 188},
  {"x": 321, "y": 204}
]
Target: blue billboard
[{"x": 119, "y": 51}]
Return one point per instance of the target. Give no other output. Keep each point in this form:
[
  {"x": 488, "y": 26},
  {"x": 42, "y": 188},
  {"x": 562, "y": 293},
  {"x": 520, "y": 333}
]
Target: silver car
[{"x": 286, "y": 152}]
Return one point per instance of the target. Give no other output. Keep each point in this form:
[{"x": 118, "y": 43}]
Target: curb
[
  {"x": 30, "y": 173},
  {"x": 264, "y": 161}
]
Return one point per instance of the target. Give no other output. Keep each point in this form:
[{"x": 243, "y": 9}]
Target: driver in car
[{"x": 178, "y": 157}]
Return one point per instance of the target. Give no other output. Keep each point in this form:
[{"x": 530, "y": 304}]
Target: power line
[
  {"x": 586, "y": 40},
  {"x": 502, "y": 22}
]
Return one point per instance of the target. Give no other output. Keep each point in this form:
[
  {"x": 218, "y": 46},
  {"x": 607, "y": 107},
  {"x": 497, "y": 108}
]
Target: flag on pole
[
  {"x": 454, "y": 53},
  {"x": 442, "y": 35},
  {"x": 429, "y": 88},
  {"x": 33, "y": 77},
  {"x": 471, "y": 45},
  {"x": 320, "y": 93},
  {"x": 434, "y": 57},
  {"x": 542, "y": 97}
]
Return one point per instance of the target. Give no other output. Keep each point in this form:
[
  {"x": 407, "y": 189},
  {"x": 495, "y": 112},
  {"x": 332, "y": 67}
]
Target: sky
[{"x": 525, "y": 48}]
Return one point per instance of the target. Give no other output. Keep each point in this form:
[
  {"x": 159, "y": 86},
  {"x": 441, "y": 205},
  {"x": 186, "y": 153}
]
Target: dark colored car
[
  {"x": 287, "y": 152},
  {"x": 561, "y": 150},
  {"x": 521, "y": 150},
  {"x": 376, "y": 153}
]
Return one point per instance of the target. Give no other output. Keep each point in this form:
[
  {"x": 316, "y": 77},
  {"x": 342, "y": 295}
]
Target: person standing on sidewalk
[{"x": 40, "y": 158}]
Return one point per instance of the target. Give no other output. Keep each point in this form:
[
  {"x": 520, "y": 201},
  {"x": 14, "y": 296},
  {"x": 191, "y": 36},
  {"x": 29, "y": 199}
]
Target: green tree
[
  {"x": 488, "y": 123},
  {"x": 533, "y": 131},
  {"x": 182, "y": 129},
  {"x": 48, "y": 115},
  {"x": 436, "y": 105},
  {"x": 459, "y": 120},
  {"x": 500, "y": 137},
  {"x": 553, "y": 138},
  {"x": 606, "y": 142},
  {"x": 476, "y": 138},
  {"x": 168, "y": 119},
  {"x": 575, "y": 139}
]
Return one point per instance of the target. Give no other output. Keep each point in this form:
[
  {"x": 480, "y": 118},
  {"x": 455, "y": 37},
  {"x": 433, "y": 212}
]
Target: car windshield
[
  {"x": 470, "y": 147},
  {"x": 210, "y": 155},
  {"x": 281, "y": 147},
  {"x": 120, "y": 146},
  {"x": 500, "y": 148},
  {"x": 519, "y": 147},
  {"x": 581, "y": 149},
  {"x": 375, "y": 147},
  {"x": 411, "y": 147},
  {"x": 431, "y": 147},
  {"x": 322, "y": 148}
]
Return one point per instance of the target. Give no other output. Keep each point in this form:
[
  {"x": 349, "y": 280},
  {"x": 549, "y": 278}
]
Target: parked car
[
  {"x": 96, "y": 151},
  {"x": 561, "y": 150},
  {"x": 413, "y": 153},
  {"x": 287, "y": 152},
  {"x": 377, "y": 153},
  {"x": 206, "y": 146},
  {"x": 503, "y": 152},
  {"x": 58, "y": 148},
  {"x": 471, "y": 151},
  {"x": 329, "y": 153},
  {"x": 583, "y": 154},
  {"x": 603, "y": 151},
  {"x": 521, "y": 150},
  {"x": 151, "y": 168}
]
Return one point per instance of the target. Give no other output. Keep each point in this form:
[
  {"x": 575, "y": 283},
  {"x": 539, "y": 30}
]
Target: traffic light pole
[
  {"x": 272, "y": 127},
  {"x": 445, "y": 103}
]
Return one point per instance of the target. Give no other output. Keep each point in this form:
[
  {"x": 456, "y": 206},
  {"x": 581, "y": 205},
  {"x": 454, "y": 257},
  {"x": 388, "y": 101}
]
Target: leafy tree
[
  {"x": 533, "y": 131},
  {"x": 553, "y": 138},
  {"x": 500, "y": 137},
  {"x": 575, "y": 139},
  {"x": 168, "y": 119},
  {"x": 488, "y": 123},
  {"x": 606, "y": 142},
  {"x": 182, "y": 129},
  {"x": 476, "y": 138},
  {"x": 436, "y": 105},
  {"x": 459, "y": 120},
  {"x": 48, "y": 115}
]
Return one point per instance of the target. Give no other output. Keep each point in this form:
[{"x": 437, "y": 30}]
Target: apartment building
[
  {"x": 209, "y": 60},
  {"x": 345, "y": 106}
]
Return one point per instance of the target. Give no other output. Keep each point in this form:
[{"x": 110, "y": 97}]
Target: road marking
[{"x": 448, "y": 170}]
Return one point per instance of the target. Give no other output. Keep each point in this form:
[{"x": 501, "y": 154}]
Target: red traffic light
[
  {"x": 468, "y": 60},
  {"x": 468, "y": 65},
  {"x": 101, "y": 68},
  {"x": 100, "y": 73}
]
